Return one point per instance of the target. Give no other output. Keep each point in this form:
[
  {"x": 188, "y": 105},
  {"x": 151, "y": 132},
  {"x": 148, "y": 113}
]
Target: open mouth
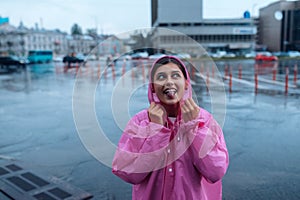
[{"x": 170, "y": 92}]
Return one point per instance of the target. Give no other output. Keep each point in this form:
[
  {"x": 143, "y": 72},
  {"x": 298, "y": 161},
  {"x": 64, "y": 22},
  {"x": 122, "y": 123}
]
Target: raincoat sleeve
[
  {"x": 209, "y": 151},
  {"x": 141, "y": 149}
]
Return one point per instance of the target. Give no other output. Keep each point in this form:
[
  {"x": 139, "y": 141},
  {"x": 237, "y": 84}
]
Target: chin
[{"x": 171, "y": 102}]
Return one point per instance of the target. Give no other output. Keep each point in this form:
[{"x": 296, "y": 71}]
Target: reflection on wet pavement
[{"x": 261, "y": 122}]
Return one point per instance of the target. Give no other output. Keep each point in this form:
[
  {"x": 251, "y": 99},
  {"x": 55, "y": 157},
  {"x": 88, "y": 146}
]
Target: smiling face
[{"x": 169, "y": 83}]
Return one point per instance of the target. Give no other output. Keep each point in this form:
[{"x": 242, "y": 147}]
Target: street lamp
[{"x": 253, "y": 6}]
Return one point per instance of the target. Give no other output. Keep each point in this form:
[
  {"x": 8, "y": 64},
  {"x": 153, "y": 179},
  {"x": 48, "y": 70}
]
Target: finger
[
  {"x": 193, "y": 106},
  {"x": 193, "y": 103},
  {"x": 152, "y": 105},
  {"x": 181, "y": 102},
  {"x": 163, "y": 110},
  {"x": 158, "y": 109},
  {"x": 191, "y": 109},
  {"x": 184, "y": 109},
  {"x": 196, "y": 108},
  {"x": 185, "y": 113},
  {"x": 151, "y": 109},
  {"x": 161, "y": 107},
  {"x": 189, "y": 105}
]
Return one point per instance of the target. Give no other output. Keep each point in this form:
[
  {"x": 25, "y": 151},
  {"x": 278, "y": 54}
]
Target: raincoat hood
[{"x": 151, "y": 94}]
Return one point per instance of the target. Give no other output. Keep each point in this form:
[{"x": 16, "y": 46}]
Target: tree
[
  {"x": 92, "y": 32},
  {"x": 76, "y": 30},
  {"x": 142, "y": 41}
]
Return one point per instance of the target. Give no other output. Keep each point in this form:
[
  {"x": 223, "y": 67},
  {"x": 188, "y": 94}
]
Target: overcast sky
[{"x": 109, "y": 16}]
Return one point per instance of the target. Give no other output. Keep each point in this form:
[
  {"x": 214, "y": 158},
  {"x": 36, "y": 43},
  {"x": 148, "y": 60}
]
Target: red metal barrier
[
  {"x": 230, "y": 81},
  {"x": 143, "y": 73},
  {"x": 77, "y": 68},
  {"x": 274, "y": 70},
  {"x": 202, "y": 69},
  {"x": 123, "y": 67},
  {"x": 226, "y": 71},
  {"x": 99, "y": 71},
  {"x": 286, "y": 80},
  {"x": 256, "y": 78},
  {"x": 295, "y": 74},
  {"x": 240, "y": 71}
]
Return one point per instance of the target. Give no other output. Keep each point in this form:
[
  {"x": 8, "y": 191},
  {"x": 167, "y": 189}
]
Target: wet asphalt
[{"x": 260, "y": 123}]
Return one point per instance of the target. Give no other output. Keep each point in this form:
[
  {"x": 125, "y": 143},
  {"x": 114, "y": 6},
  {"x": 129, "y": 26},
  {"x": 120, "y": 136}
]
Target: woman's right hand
[{"x": 157, "y": 113}]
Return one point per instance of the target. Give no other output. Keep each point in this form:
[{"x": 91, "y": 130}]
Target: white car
[
  {"x": 140, "y": 55},
  {"x": 250, "y": 55},
  {"x": 184, "y": 56},
  {"x": 293, "y": 54},
  {"x": 229, "y": 55},
  {"x": 92, "y": 57},
  {"x": 57, "y": 59},
  {"x": 156, "y": 56}
]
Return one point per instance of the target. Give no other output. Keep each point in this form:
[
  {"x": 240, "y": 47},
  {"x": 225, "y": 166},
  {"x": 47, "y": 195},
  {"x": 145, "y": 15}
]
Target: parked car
[
  {"x": 156, "y": 56},
  {"x": 92, "y": 57},
  {"x": 140, "y": 55},
  {"x": 218, "y": 54},
  {"x": 70, "y": 59},
  {"x": 229, "y": 55},
  {"x": 57, "y": 59},
  {"x": 12, "y": 60},
  {"x": 184, "y": 56},
  {"x": 251, "y": 54},
  {"x": 265, "y": 56},
  {"x": 280, "y": 54},
  {"x": 12, "y": 63},
  {"x": 293, "y": 54}
]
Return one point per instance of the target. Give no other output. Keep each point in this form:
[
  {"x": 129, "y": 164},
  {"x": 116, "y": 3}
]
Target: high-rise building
[
  {"x": 170, "y": 11},
  {"x": 185, "y": 17},
  {"x": 279, "y": 26}
]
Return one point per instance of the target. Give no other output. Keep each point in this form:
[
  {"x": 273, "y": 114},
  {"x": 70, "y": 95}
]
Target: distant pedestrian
[{"x": 174, "y": 149}]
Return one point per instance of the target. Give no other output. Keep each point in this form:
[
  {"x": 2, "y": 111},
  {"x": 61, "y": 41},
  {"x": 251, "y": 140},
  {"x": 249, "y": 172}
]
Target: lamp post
[{"x": 253, "y": 7}]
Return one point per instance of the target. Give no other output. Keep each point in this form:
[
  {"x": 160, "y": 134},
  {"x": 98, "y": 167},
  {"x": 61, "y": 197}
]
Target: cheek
[
  {"x": 157, "y": 85},
  {"x": 182, "y": 85},
  {"x": 156, "y": 88}
]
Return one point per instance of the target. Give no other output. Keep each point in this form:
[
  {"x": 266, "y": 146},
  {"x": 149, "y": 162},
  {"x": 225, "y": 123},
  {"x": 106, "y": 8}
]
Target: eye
[
  {"x": 176, "y": 75},
  {"x": 160, "y": 77}
]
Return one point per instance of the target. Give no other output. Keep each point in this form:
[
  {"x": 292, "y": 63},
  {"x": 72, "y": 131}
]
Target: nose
[{"x": 169, "y": 81}]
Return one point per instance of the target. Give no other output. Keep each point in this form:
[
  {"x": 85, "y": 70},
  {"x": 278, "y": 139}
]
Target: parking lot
[{"x": 260, "y": 127}]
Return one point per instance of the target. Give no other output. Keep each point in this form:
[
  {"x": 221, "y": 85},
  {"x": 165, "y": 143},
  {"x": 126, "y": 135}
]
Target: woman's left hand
[{"x": 189, "y": 110}]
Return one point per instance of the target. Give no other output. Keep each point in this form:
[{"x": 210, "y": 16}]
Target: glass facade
[{"x": 296, "y": 29}]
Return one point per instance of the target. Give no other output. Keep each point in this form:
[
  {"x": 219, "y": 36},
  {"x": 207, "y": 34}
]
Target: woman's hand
[
  {"x": 189, "y": 110},
  {"x": 157, "y": 113}
]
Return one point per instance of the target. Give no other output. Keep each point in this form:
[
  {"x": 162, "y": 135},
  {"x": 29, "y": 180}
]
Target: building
[
  {"x": 20, "y": 40},
  {"x": 279, "y": 26},
  {"x": 185, "y": 17}
]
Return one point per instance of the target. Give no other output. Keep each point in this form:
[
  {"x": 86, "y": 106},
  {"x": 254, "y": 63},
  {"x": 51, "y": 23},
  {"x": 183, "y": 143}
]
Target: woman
[{"x": 174, "y": 149}]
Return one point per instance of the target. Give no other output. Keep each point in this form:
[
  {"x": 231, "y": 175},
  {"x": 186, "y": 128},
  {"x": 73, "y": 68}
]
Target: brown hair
[{"x": 165, "y": 60}]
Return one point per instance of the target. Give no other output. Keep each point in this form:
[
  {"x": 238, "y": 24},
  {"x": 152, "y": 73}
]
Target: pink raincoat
[{"x": 180, "y": 161}]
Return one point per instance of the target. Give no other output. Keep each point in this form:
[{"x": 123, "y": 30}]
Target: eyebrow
[
  {"x": 163, "y": 73},
  {"x": 178, "y": 71}
]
